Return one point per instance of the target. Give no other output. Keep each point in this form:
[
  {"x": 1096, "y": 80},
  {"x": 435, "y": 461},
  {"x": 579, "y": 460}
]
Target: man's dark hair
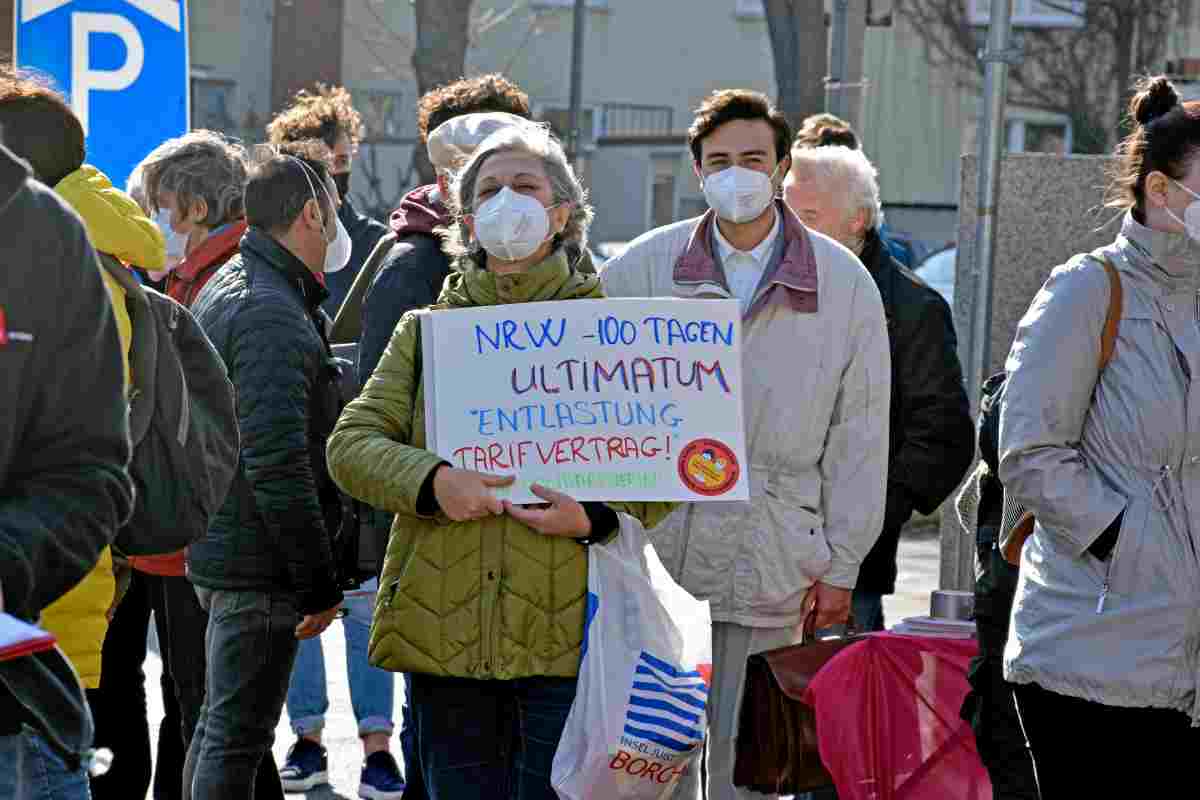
[
  {"x": 470, "y": 96},
  {"x": 727, "y": 105},
  {"x": 280, "y": 185},
  {"x": 40, "y": 127}
]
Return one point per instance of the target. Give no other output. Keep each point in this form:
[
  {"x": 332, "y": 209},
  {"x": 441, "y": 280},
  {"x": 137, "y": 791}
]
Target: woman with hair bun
[{"x": 1105, "y": 637}]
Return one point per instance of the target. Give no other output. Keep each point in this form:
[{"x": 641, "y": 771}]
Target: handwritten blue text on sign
[{"x": 607, "y": 399}]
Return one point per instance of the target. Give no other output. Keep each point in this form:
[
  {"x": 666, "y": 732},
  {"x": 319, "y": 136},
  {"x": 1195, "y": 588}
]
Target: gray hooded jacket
[{"x": 1079, "y": 448}]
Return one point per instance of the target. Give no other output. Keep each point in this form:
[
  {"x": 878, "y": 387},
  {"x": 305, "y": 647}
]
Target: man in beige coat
[{"x": 817, "y": 389}]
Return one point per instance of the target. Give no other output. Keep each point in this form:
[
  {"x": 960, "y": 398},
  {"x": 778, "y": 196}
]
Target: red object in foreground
[
  {"x": 18, "y": 639},
  {"x": 888, "y": 723}
]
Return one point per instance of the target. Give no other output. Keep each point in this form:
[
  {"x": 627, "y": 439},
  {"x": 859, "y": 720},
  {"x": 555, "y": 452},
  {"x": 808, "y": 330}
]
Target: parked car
[
  {"x": 904, "y": 247},
  {"x": 609, "y": 250},
  {"x": 938, "y": 271}
]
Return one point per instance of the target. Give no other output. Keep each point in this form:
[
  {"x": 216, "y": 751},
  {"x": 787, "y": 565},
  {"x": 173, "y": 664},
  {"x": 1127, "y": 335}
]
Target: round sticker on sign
[{"x": 708, "y": 467}]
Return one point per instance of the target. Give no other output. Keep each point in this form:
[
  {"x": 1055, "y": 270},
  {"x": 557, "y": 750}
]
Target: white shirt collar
[{"x": 759, "y": 254}]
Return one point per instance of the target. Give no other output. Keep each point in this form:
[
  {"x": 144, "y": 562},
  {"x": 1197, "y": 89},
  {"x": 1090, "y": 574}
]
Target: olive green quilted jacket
[{"x": 483, "y": 599}]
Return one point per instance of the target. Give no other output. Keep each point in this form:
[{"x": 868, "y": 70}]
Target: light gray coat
[
  {"x": 1079, "y": 447},
  {"x": 817, "y": 388}
]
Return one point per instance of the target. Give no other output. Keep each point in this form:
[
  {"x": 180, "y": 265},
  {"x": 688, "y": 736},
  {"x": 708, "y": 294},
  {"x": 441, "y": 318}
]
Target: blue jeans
[
  {"x": 251, "y": 644},
  {"x": 868, "y": 610},
  {"x": 488, "y": 740},
  {"x": 31, "y": 770},
  {"x": 372, "y": 690}
]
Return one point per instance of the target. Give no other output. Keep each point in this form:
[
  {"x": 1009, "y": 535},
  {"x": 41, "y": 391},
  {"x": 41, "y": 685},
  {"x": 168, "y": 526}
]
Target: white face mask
[
  {"x": 337, "y": 255},
  {"x": 1191, "y": 214},
  {"x": 176, "y": 242},
  {"x": 512, "y": 226},
  {"x": 338, "y": 249},
  {"x": 738, "y": 194}
]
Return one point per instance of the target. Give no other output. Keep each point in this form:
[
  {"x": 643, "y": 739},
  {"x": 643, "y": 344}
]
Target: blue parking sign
[{"x": 122, "y": 63}]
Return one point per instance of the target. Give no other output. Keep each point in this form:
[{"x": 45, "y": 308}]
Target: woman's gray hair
[
  {"x": 847, "y": 173},
  {"x": 135, "y": 187},
  {"x": 201, "y": 165},
  {"x": 536, "y": 140}
]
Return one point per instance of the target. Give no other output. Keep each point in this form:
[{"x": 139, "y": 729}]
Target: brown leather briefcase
[{"x": 777, "y": 734}]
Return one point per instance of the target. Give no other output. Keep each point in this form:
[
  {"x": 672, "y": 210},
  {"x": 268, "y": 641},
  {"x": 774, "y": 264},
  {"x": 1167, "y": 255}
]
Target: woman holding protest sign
[{"x": 481, "y": 601}]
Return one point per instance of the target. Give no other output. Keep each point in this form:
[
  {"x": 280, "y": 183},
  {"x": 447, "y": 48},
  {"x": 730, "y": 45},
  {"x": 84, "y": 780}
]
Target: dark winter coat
[
  {"x": 262, "y": 312},
  {"x": 932, "y": 436},
  {"x": 365, "y": 233},
  {"x": 411, "y": 277},
  {"x": 64, "y": 440}
]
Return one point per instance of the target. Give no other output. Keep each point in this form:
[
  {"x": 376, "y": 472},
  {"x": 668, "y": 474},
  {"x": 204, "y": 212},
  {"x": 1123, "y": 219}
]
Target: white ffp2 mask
[
  {"x": 337, "y": 255},
  {"x": 511, "y": 226},
  {"x": 738, "y": 194},
  {"x": 337, "y": 252},
  {"x": 176, "y": 242},
  {"x": 1191, "y": 214}
]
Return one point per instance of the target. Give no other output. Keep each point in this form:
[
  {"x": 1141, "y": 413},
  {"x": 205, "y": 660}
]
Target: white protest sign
[{"x": 626, "y": 399}]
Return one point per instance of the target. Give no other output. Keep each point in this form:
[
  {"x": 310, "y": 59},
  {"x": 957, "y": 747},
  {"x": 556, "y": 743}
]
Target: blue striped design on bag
[
  {"x": 659, "y": 705},
  {"x": 682, "y": 698},
  {"x": 700, "y": 686},
  {"x": 658, "y": 738},
  {"x": 663, "y": 666},
  {"x": 663, "y": 722}
]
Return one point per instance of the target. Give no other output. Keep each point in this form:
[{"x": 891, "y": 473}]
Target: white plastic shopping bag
[{"x": 640, "y": 710}]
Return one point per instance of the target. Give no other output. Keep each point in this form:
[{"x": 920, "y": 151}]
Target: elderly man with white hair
[{"x": 932, "y": 441}]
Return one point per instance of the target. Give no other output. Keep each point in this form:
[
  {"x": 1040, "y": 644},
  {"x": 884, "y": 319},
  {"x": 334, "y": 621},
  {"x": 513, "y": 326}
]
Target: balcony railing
[{"x": 632, "y": 121}]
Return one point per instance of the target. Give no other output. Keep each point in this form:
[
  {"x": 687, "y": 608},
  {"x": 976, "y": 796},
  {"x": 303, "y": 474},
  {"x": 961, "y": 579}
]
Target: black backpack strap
[{"x": 143, "y": 347}]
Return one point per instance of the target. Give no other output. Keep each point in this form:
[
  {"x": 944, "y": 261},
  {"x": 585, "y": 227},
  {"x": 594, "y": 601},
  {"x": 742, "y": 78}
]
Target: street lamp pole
[{"x": 573, "y": 134}]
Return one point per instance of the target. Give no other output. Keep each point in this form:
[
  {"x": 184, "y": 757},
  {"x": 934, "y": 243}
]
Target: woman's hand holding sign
[
  {"x": 464, "y": 495},
  {"x": 560, "y": 515}
]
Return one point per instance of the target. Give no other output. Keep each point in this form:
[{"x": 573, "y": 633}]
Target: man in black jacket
[
  {"x": 834, "y": 190},
  {"x": 416, "y": 267},
  {"x": 265, "y": 571},
  {"x": 328, "y": 115},
  {"x": 64, "y": 449}
]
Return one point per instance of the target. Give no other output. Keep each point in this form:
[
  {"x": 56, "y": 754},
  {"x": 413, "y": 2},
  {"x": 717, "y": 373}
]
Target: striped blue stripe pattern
[{"x": 666, "y": 705}]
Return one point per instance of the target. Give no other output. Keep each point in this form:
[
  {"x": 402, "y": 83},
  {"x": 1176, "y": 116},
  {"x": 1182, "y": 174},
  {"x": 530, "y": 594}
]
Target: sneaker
[
  {"x": 381, "y": 778},
  {"x": 307, "y": 767}
]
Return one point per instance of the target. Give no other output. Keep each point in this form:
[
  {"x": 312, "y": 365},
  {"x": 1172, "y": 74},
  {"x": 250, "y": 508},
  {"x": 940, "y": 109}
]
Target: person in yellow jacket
[
  {"x": 116, "y": 225},
  {"x": 41, "y": 128}
]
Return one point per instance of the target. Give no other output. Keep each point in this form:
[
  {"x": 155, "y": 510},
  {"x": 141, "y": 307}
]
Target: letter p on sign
[
  {"x": 85, "y": 79},
  {"x": 122, "y": 63}
]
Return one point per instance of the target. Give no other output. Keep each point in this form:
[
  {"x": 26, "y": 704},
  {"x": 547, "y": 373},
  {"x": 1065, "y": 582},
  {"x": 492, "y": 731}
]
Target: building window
[
  {"x": 1039, "y": 133},
  {"x": 212, "y": 105},
  {"x": 692, "y": 206},
  {"x": 749, "y": 8},
  {"x": 662, "y": 193},
  {"x": 628, "y": 120},
  {"x": 1035, "y": 13},
  {"x": 385, "y": 119}
]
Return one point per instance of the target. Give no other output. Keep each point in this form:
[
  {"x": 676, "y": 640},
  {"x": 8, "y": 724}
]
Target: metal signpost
[{"x": 122, "y": 63}]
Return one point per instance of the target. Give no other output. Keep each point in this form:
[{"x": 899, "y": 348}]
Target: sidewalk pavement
[{"x": 918, "y": 577}]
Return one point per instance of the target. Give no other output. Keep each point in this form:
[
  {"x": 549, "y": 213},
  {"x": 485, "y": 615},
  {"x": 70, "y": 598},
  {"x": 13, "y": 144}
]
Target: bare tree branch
[{"x": 1084, "y": 70}]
